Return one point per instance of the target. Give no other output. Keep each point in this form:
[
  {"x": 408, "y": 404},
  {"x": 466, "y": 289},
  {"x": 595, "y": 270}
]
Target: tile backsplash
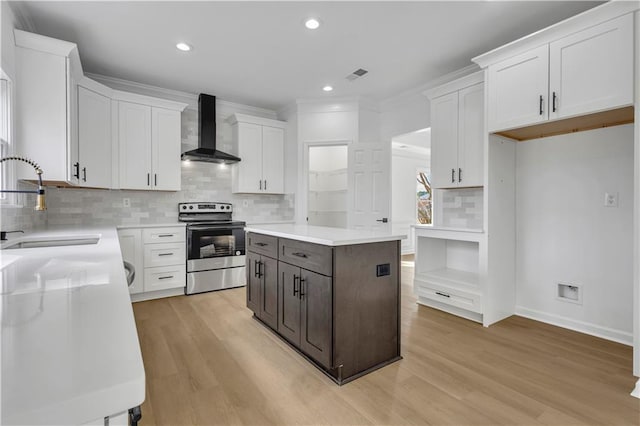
[
  {"x": 200, "y": 182},
  {"x": 462, "y": 208}
]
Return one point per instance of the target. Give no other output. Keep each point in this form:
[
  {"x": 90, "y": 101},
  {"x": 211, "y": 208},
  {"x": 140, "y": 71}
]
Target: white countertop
[
  {"x": 325, "y": 235},
  {"x": 70, "y": 350}
]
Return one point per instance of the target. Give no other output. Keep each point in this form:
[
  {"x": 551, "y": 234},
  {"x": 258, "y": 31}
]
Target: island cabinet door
[
  {"x": 289, "y": 302},
  {"x": 253, "y": 283},
  {"x": 268, "y": 272},
  {"x": 315, "y": 295}
]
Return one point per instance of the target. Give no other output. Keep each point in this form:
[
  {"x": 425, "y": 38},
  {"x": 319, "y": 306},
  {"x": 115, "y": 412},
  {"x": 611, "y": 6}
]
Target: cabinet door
[
  {"x": 165, "y": 150},
  {"x": 134, "y": 142},
  {"x": 273, "y": 160},
  {"x": 592, "y": 70},
  {"x": 471, "y": 136},
  {"x": 315, "y": 337},
  {"x": 94, "y": 138},
  {"x": 131, "y": 248},
  {"x": 518, "y": 89},
  {"x": 248, "y": 173},
  {"x": 269, "y": 288},
  {"x": 444, "y": 141},
  {"x": 253, "y": 283},
  {"x": 289, "y": 302}
]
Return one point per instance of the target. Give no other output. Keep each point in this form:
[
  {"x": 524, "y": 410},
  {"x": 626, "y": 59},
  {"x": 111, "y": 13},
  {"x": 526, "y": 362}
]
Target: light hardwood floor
[{"x": 208, "y": 362}]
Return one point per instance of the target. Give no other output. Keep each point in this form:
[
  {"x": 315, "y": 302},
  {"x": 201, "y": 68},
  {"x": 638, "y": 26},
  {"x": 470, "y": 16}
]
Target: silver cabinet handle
[
  {"x": 442, "y": 294},
  {"x": 165, "y": 235},
  {"x": 165, "y": 278},
  {"x": 299, "y": 254},
  {"x": 165, "y": 254}
]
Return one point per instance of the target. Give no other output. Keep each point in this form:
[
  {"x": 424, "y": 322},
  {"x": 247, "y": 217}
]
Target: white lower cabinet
[{"x": 158, "y": 254}]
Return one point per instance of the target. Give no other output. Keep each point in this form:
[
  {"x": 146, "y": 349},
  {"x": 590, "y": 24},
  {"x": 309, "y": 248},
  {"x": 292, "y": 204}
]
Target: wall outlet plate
[{"x": 126, "y": 202}]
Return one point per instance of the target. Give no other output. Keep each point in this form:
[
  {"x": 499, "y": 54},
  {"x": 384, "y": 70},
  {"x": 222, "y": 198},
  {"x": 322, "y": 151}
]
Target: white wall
[
  {"x": 404, "y": 114},
  {"x": 565, "y": 233}
]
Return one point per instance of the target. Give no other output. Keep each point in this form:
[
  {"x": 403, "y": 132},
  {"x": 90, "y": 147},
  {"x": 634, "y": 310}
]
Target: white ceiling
[{"x": 260, "y": 54}]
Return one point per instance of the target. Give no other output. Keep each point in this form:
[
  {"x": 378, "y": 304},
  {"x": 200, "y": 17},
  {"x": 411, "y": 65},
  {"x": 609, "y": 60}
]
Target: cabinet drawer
[
  {"x": 164, "y": 254},
  {"x": 263, "y": 244},
  {"x": 451, "y": 296},
  {"x": 163, "y": 235},
  {"x": 164, "y": 277},
  {"x": 313, "y": 257}
]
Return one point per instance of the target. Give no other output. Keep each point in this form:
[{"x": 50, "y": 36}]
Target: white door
[
  {"x": 444, "y": 141},
  {"x": 165, "y": 150},
  {"x": 518, "y": 89},
  {"x": 134, "y": 141},
  {"x": 471, "y": 136},
  {"x": 369, "y": 181},
  {"x": 592, "y": 70},
  {"x": 94, "y": 138},
  {"x": 273, "y": 160}
]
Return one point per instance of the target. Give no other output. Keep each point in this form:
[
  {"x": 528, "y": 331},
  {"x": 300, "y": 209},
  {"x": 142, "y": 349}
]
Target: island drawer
[
  {"x": 313, "y": 257},
  {"x": 263, "y": 244}
]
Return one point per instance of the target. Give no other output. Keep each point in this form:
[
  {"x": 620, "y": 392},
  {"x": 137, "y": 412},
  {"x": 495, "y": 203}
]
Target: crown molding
[
  {"x": 403, "y": 97},
  {"x": 22, "y": 16},
  {"x": 191, "y": 99}
]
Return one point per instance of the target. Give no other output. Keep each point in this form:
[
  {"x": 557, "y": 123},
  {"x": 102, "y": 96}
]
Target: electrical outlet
[
  {"x": 611, "y": 199},
  {"x": 245, "y": 203},
  {"x": 126, "y": 202}
]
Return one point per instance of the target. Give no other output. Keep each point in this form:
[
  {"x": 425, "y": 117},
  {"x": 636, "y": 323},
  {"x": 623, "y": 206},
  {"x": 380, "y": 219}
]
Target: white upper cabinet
[
  {"x": 592, "y": 70},
  {"x": 259, "y": 142},
  {"x": 518, "y": 90},
  {"x": 46, "y": 73},
  {"x": 588, "y": 70},
  {"x": 149, "y": 146},
  {"x": 457, "y": 133},
  {"x": 94, "y": 138},
  {"x": 165, "y": 149}
]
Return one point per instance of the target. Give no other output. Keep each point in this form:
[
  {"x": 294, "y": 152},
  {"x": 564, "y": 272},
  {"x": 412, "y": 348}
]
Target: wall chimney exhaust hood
[{"x": 206, "y": 150}]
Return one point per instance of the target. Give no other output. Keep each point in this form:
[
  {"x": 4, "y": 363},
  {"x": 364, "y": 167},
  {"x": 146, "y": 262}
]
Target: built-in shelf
[{"x": 469, "y": 281}]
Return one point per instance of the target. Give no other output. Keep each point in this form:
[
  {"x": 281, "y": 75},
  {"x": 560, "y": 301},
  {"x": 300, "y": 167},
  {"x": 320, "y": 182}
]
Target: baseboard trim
[
  {"x": 580, "y": 326},
  {"x": 454, "y": 310},
  {"x": 636, "y": 391},
  {"x": 141, "y": 297}
]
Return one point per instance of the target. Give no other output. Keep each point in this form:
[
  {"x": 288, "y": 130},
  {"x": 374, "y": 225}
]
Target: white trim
[
  {"x": 390, "y": 103},
  {"x": 453, "y": 310},
  {"x": 244, "y": 118},
  {"x": 636, "y": 390},
  {"x": 22, "y": 16},
  {"x": 636, "y": 207},
  {"x": 191, "y": 99},
  {"x": 455, "y": 85},
  {"x": 614, "y": 335},
  {"x": 140, "y": 297},
  {"x": 584, "y": 20},
  {"x": 148, "y": 100},
  {"x": 43, "y": 43}
]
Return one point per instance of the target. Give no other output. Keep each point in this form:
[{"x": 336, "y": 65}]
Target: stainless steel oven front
[{"x": 215, "y": 256}]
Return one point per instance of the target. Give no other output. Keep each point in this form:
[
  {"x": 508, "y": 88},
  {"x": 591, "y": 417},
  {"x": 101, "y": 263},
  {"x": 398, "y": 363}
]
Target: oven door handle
[{"x": 208, "y": 227}]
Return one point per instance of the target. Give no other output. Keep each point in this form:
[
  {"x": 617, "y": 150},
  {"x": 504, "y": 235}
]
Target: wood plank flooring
[{"x": 208, "y": 362}]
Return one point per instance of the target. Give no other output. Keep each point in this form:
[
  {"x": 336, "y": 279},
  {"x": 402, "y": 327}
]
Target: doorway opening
[{"x": 327, "y": 188}]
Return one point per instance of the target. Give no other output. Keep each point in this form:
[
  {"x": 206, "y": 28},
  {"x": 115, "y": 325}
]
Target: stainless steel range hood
[{"x": 206, "y": 150}]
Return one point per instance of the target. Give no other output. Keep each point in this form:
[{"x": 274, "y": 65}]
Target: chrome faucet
[{"x": 40, "y": 204}]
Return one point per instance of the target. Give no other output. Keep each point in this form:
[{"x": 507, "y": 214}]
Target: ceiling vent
[{"x": 356, "y": 74}]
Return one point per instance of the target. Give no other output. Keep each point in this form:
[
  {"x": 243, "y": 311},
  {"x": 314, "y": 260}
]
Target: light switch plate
[{"x": 611, "y": 199}]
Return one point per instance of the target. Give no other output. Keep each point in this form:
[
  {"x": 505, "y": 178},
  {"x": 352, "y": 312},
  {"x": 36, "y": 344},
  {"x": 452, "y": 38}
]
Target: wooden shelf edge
[{"x": 610, "y": 118}]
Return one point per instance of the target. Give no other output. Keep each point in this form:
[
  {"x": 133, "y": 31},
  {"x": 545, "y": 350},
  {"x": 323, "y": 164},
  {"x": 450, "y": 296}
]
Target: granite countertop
[
  {"x": 325, "y": 235},
  {"x": 70, "y": 350}
]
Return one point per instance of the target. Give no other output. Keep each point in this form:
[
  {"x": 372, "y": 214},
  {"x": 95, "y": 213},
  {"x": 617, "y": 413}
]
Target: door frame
[{"x": 304, "y": 194}]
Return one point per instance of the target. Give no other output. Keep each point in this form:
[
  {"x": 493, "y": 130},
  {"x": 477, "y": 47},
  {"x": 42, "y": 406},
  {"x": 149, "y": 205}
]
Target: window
[{"x": 424, "y": 198}]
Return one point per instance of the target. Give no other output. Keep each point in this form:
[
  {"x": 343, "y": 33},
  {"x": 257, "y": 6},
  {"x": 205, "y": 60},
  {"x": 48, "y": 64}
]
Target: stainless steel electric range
[{"x": 215, "y": 247}]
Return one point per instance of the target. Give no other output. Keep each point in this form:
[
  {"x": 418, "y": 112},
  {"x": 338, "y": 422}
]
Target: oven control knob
[
  {"x": 237, "y": 252},
  {"x": 184, "y": 207},
  {"x": 190, "y": 207},
  {"x": 228, "y": 207}
]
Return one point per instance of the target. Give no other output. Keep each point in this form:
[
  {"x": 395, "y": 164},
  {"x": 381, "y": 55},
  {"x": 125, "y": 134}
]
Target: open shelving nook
[{"x": 448, "y": 275}]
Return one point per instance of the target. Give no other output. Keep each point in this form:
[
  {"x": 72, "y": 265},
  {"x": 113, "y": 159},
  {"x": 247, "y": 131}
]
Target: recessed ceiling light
[
  {"x": 327, "y": 88},
  {"x": 183, "y": 46},
  {"x": 312, "y": 23}
]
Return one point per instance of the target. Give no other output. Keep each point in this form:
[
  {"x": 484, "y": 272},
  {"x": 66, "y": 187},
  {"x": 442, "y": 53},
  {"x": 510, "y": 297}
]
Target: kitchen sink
[{"x": 77, "y": 240}]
